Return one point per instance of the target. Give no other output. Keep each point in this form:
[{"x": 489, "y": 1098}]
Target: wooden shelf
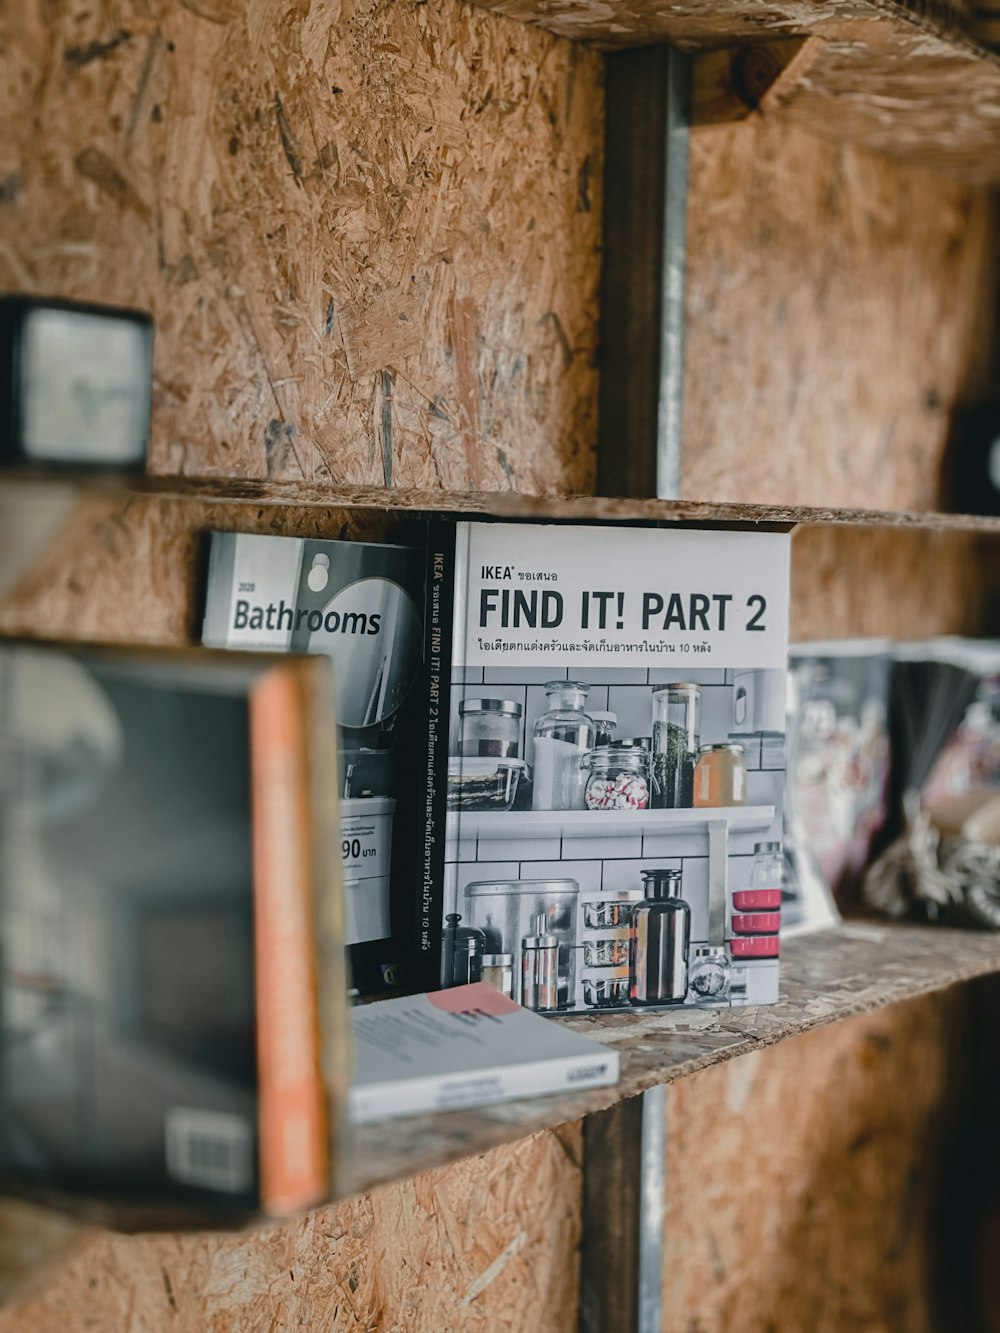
[
  {"x": 871, "y": 71},
  {"x": 855, "y": 969},
  {"x": 564, "y": 508}
]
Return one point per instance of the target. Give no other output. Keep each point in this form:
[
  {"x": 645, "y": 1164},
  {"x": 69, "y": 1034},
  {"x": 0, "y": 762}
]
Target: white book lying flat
[{"x": 464, "y": 1047}]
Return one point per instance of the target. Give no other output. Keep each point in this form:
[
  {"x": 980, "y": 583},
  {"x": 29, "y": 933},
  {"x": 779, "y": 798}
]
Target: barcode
[{"x": 209, "y": 1148}]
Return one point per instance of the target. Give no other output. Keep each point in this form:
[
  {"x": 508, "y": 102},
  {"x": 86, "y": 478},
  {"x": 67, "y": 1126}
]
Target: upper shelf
[
  {"x": 871, "y": 71},
  {"x": 569, "y": 508}
]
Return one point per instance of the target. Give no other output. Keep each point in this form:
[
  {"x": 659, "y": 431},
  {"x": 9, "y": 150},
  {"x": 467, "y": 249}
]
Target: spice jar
[
  {"x": 720, "y": 777},
  {"x": 606, "y": 953},
  {"x": 676, "y": 733},
  {"x": 498, "y": 970},
  {"x": 560, "y": 739},
  {"x": 764, "y": 893},
  {"x": 710, "y": 972},
  {"x": 618, "y": 778},
  {"x": 540, "y": 968},
  {"x": 489, "y": 728},
  {"x": 606, "y": 725}
]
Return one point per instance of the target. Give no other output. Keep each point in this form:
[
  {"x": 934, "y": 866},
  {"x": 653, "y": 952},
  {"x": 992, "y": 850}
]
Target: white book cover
[
  {"x": 606, "y": 749},
  {"x": 465, "y": 1047}
]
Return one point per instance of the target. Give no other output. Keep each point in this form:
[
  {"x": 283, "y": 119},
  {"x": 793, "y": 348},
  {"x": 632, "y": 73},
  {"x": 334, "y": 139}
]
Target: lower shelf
[{"x": 851, "y": 970}]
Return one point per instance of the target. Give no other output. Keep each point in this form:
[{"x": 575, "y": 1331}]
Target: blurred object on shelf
[
  {"x": 942, "y": 863},
  {"x": 172, "y": 989},
  {"x": 837, "y": 775},
  {"x": 975, "y": 448},
  {"x": 76, "y": 384}
]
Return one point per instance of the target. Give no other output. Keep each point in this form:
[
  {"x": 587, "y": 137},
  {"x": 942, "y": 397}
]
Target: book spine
[
  {"x": 436, "y": 708},
  {"x": 294, "y": 1166},
  {"x": 537, "y": 1078}
]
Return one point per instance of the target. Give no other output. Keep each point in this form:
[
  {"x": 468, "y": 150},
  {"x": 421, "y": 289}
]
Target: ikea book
[
  {"x": 604, "y": 739},
  {"x": 172, "y": 987}
]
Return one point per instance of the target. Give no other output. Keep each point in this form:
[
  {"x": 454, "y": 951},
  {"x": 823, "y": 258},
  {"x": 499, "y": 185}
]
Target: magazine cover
[
  {"x": 144, "y": 867},
  {"x": 605, "y": 748},
  {"x": 361, "y": 605}
]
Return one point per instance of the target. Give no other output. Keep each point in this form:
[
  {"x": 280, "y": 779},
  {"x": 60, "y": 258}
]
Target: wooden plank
[
  {"x": 734, "y": 82},
  {"x": 808, "y": 1184},
  {"x": 825, "y": 978},
  {"x": 490, "y": 1242},
  {"x": 887, "y": 583},
  {"x": 369, "y": 236},
  {"x": 840, "y": 310},
  {"x": 236, "y": 496},
  {"x": 901, "y": 79}
]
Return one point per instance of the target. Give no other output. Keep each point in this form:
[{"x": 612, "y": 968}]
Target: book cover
[
  {"x": 465, "y": 1047},
  {"x": 165, "y": 918},
  {"x": 605, "y": 718},
  {"x": 361, "y": 605}
]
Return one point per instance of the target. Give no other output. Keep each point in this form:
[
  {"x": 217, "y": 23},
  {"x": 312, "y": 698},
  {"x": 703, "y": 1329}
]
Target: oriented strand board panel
[
  {"x": 691, "y": 23},
  {"x": 857, "y": 582},
  {"x": 838, "y": 306},
  {"x": 489, "y": 1243},
  {"x": 902, "y": 78},
  {"x": 368, "y": 230},
  {"x": 802, "y": 1180},
  {"x": 110, "y": 568}
]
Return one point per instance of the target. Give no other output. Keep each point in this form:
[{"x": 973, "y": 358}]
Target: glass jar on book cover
[
  {"x": 720, "y": 777},
  {"x": 489, "y": 728},
  {"x": 618, "y": 777},
  {"x": 660, "y": 940},
  {"x": 560, "y": 739},
  {"x": 676, "y": 736},
  {"x": 710, "y": 973},
  {"x": 764, "y": 893}
]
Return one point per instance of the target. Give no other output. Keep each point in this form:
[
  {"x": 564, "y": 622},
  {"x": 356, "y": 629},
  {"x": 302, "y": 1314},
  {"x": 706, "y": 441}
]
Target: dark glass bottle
[
  {"x": 661, "y": 939},
  {"x": 462, "y": 949}
]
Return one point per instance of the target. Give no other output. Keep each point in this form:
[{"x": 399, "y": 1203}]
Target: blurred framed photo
[{"x": 75, "y": 384}]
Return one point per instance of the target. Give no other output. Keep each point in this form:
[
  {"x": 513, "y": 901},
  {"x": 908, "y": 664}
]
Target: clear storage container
[
  {"x": 766, "y": 874},
  {"x": 606, "y": 724},
  {"x": 484, "y": 784},
  {"x": 676, "y": 735},
  {"x": 561, "y": 737},
  {"x": 617, "y": 778},
  {"x": 490, "y": 728},
  {"x": 710, "y": 972}
]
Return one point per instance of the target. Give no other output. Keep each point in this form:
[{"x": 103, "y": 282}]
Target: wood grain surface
[
  {"x": 489, "y": 1243},
  {"x": 367, "y": 230},
  {"x": 904, "y": 79},
  {"x": 803, "y": 1182},
  {"x": 838, "y": 308}
]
